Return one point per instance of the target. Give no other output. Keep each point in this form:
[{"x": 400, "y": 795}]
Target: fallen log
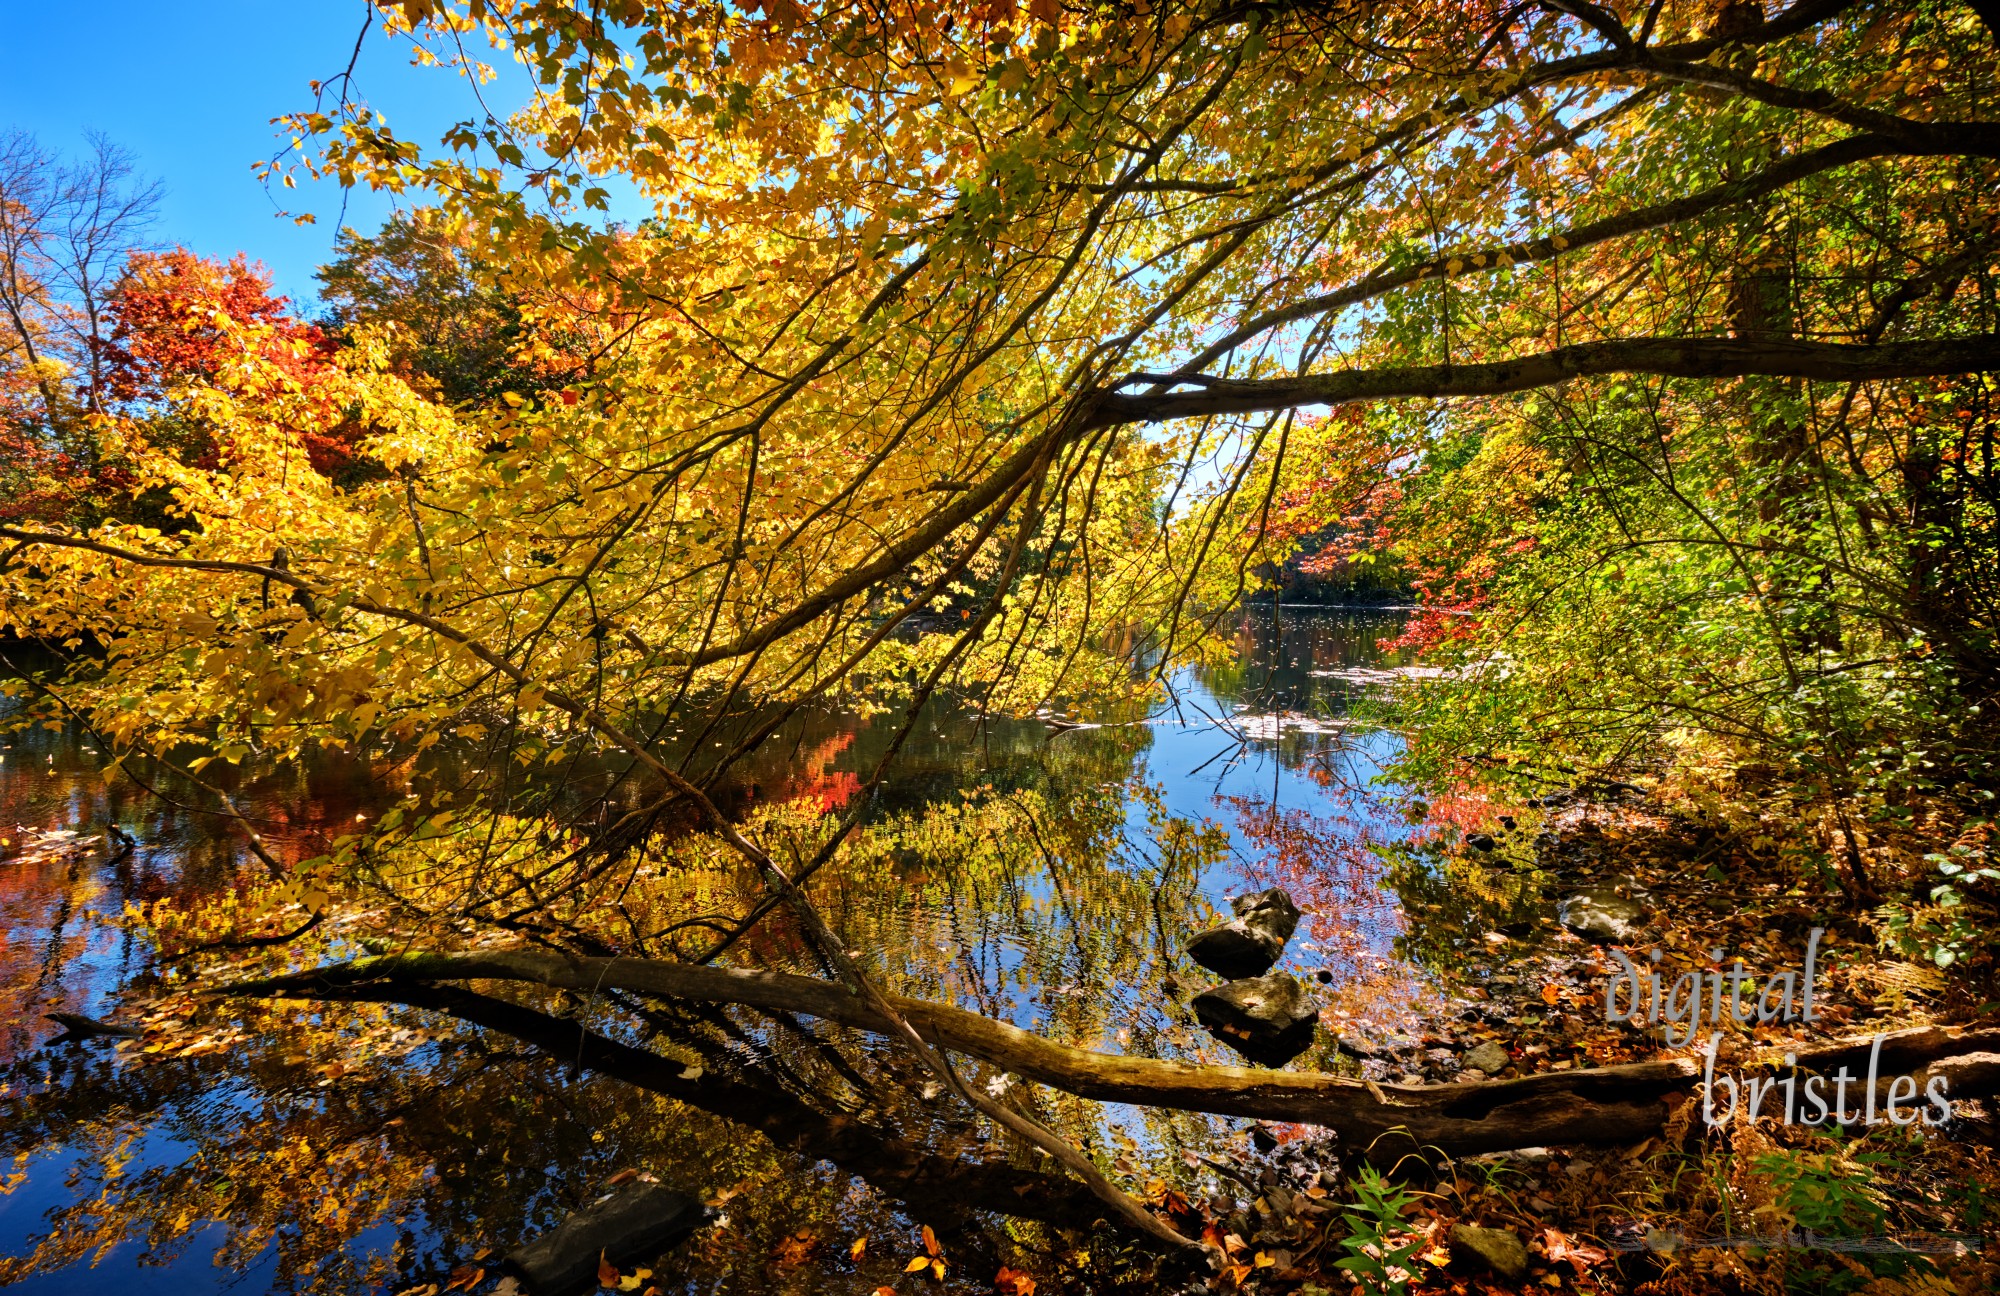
[{"x": 1603, "y": 1106}]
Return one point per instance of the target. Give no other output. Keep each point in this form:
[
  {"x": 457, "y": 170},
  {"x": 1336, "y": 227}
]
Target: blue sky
[{"x": 190, "y": 86}]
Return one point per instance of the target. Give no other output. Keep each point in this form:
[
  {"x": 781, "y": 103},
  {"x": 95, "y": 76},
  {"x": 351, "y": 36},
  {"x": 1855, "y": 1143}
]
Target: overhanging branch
[{"x": 1667, "y": 357}]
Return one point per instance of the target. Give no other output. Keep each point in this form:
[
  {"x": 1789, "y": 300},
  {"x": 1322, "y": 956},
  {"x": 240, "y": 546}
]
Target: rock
[
  {"x": 1253, "y": 941},
  {"x": 1235, "y": 949},
  {"x": 1490, "y": 1057},
  {"x": 1480, "y": 841},
  {"x": 1603, "y": 915},
  {"x": 1355, "y": 1046},
  {"x": 634, "y": 1224},
  {"x": 1497, "y": 1249},
  {"x": 1267, "y": 1019}
]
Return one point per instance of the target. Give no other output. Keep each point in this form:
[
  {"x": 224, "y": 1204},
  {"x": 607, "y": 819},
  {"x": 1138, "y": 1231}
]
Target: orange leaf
[
  {"x": 930, "y": 1240},
  {"x": 1551, "y": 993},
  {"x": 921, "y": 1262},
  {"x": 607, "y": 1273},
  {"x": 859, "y": 1249}
]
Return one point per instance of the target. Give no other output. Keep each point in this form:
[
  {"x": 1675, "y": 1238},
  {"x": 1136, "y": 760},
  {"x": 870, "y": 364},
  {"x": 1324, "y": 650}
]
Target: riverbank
[{"x": 1598, "y": 893}]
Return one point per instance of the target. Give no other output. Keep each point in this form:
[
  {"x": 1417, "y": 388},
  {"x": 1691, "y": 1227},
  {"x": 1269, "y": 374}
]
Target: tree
[
  {"x": 452, "y": 326},
  {"x": 914, "y": 285},
  {"x": 181, "y": 323},
  {"x": 65, "y": 229}
]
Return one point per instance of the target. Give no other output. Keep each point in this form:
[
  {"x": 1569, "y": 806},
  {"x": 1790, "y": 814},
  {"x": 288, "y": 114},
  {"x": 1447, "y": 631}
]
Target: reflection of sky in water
[
  {"x": 1262, "y": 750},
  {"x": 1292, "y": 798}
]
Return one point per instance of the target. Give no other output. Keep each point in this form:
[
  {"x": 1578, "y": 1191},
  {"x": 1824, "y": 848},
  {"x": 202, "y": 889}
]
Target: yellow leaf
[
  {"x": 919, "y": 1263},
  {"x": 859, "y": 1249}
]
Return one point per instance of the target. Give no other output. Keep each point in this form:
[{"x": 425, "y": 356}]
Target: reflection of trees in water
[
  {"x": 341, "y": 1150},
  {"x": 48, "y": 924},
  {"x": 1374, "y": 884},
  {"x": 1282, "y": 656},
  {"x": 492, "y": 1136},
  {"x": 1022, "y": 875}
]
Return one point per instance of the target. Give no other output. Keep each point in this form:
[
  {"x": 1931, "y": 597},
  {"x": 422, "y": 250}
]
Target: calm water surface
[{"x": 372, "y": 1147}]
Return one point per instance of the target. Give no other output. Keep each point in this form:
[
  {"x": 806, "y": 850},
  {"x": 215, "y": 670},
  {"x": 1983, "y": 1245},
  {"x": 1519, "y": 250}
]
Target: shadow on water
[{"x": 1045, "y": 874}]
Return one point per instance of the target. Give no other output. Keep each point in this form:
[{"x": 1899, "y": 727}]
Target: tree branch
[
  {"x": 1790, "y": 171},
  {"x": 1606, "y": 1105},
  {"x": 1669, "y": 357}
]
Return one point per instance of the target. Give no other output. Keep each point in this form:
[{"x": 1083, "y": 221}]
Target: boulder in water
[
  {"x": 1267, "y": 1019},
  {"x": 1250, "y": 944}
]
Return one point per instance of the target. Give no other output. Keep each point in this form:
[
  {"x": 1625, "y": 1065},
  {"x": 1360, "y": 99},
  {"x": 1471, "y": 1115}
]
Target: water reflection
[{"x": 1047, "y": 874}]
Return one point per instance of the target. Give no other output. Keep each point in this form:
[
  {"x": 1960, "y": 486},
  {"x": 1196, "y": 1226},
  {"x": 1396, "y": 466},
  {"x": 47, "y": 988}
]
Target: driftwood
[{"x": 1606, "y": 1105}]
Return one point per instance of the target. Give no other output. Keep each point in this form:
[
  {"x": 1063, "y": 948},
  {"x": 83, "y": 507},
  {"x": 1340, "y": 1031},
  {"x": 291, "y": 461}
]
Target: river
[{"x": 1045, "y": 873}]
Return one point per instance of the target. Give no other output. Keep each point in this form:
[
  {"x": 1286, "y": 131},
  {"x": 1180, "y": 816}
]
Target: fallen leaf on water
[
  {"x": 859, "y": 1249},
  {"x": 796, "y": 1249},
  {"x": 930, "y": 1240},
  {"x": 607, "y": 1273},
  {"x": 466, "y": 1276},
  {"x": 917, "y": 1263},
  {"x": 1012, "y": 1282},
  {"x": 509, "y": 1286}
]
